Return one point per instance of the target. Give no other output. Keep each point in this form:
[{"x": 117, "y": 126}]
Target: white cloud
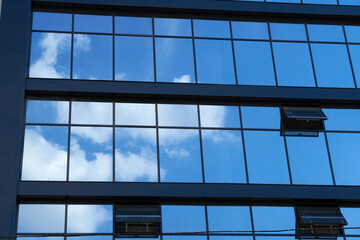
[
  {"x": 91, "y": 113},
  {"x": 120, "y": 76},
  {"x": 219, "y": 136},
  {"x": 82, "y": 43},
  {"x": 99, "y": 135},
  {"x": 62, "y": 109},
  {"x": 177, "y": 152},
  {"x": 183, "y": 79},
  {"x": 128, "y": 114},
  {"x": 212, "y": 116}
]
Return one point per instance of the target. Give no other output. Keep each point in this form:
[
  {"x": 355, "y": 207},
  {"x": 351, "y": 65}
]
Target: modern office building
[{"x": 180, "y": 119}]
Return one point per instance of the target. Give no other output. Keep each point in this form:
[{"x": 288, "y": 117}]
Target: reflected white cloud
[
  {"x": 183, "y": 79},
  {"x": 219, "y": 136},
  {"x": 212, "y": 116},
  {"x": 91, "y": 113},
  {"x": 177, "y": 152},
  {"x": 62, "y": 111},
  {"x": 128, "y": 114},
  {"x": 120, "y": 76},
  {"x": 94, "y": 134},
  {"x": 82, "y": 43}
]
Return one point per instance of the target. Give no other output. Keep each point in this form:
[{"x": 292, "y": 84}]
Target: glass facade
[{"x": 315, "y": 2}]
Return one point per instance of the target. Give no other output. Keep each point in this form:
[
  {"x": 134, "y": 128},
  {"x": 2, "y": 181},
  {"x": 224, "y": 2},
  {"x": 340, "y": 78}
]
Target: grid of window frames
[
  {"x": 146, "y": 142},
  {"x": 123, "y": 48},
  {"x": 322, "y": 2},
  {"x": 179, "y": 222}
]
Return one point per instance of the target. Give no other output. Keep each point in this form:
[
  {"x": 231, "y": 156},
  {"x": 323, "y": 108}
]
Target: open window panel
[
  {"x": 302, "y": 121},
  {"x": 319, "y": 223},
  {"x": 142, "y": 221}
]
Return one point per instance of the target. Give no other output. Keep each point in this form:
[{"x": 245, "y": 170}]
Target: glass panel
[
  {"x": 326, "y": 33},
  {"x": 231, "y": 238},
  {"x": 184, "y": 238},
  {"x": 344, "y": 152},
  {"x": 284, "y": 1},
  {"x": 45, "y": 153},
  {"x": 91, "y": 113},
  {"x": 183, "y": 219},
  {"x": 212, "y": 28},
  {"x": 50, "y": 55},
  {"x": 174, "y": 60},
  {"x": 309, "y": 160},
  {"x": 178, "y": 115},
  {"x": 91, "y": 154},
  {"x": 180, "y": 159},
  {"x": 250, "y": 30},
  {"x": 277, "y": 238},
  {"x": 134, "y": 59},
  {"x": 42, "y": 238},
  {"x": 293, "y": 64},
  {"x": 99, "y": 237},
  {"x": 214, "y": 59},
  {"x": 332, "y": 65},
  {"x": 266, "y": 157},
  {"x": 93, "y": 23},
  {"x": 52, "y": 21},
  {"x": 93, "y": 59},
  {"x": 331, "y": 2},
  {"x": 128, "y": 114},
  {"x": 288, "y": 31},
  {"x": 254, "y": 63},
  {"x": 133, "y": 25},
  {"x": 173, "y": 27},
  {"x": 90, "y": 219},
  {"x": 260, "y": 117},
  {"x": 229, "y": 218},
  {"x": 223, "y": 156},
  {"x": 136, "y": 155},
  {"x": 355, "y": 58},
  {"x": 264, "y": 219},
  {"x": 38, "y": 111},
  {"x": 220, "y": 116},
  {"x": 342, "y": 119},
  {"x": 349, "y": 2},
  {"x": 41, "y": 218},
  {"x": 352, "y": 216}
]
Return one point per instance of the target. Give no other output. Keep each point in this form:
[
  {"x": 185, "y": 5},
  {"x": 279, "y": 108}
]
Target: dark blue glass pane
[
  {"x": 219, "y": 116},
  {"x": 183, "y": 219},
  {"x": 274, "y": 218},
  {"x": 260, "y": 117},
  {"x": 330, "y": 2},
  {"x": 326, "y": 33},
  {"x": 332, "y": 65},
  {"x": 254, "y": 63},
  {"x": 342, "y": 119},
  {"x": 250, "y": 30},
  {"x": 229, "y": 218},
  {"x": 211, "y": 28},
  {"x": 134, "y": 59},
  {"x": 178, "y": 115},
  {"x": 93, "y": 23},
  {"x": 52, "y": 21},
  {"x": 223, "y": 156},
  {"x": 288, "y": 31},
  {"x": 133, "y": 25},
  {"x": 352, "y": 216},
  {"x": 38, "y": 111},
  {"x": 214, "y": 59},
  {"x": 293, "y": 64},
  {"x": 173, "y": 27},
  {"x": 355, "y": 59}
]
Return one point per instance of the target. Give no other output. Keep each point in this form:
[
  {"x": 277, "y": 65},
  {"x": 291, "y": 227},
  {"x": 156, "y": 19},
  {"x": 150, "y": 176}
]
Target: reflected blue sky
[
  {"x": 352, "y": 216},
  {"x": 264, "y": 218},
  {"x": 39, "y": 111},
  {"x": 342, "y": 119},
  {"x": 172, "y": 27},
  {"x": 260, "y": 117},
  {"x": 211, "y": 28},
  {"x": 355, "y": 59},
  {"x": 219, "y": 116},
  {"x": 250, "y": 30},
  {"x": 231, "y": 238},
  {"x": 326, "y": 33},
  {"x": 288, "y": 31},
  {"x": 93, "y": 23},
  {"x": 92, "y": 238},
  {"x": 52, "y": 21},
  {"x": 184, "y": 238},
  {"x": 133, "y": 25},
  {"x": 332, "y": 2},
  {"x": 229, "y": 218},
  {"x": 178, "y": 115}
]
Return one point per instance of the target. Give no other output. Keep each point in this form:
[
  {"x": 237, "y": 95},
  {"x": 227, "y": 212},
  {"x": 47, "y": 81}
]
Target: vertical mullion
[
  {"x": 329, "y": 156},
  {"x": 311, "y": 55},
  {"x": 233, "y": 52},
  {"x": 66, "y": 221},
  {"x": 252, "y": 222},
  {"x": 30, "y": 43},
  {"x": 207, "y": 222},
  {"x": 113, "y": 142},
  {"x": 243, "y": 146},
  {"x": 23, "y": 139},
  {"x": 72, "y": 47},
  {"x": 194, "y": 51},
  {"x": 154, "y": 47},
  {"x": 272, "y": 53},
  {"x": 113, "y": 49},
  {"x": 288, "y": 159},
  {"x": 114, "y": 221},
  {"x": 69, "y": 139},
  {"x": 157, "y": 141},
  {"x": 349, "y": 55},
  {"x": 201, "y": 146}
]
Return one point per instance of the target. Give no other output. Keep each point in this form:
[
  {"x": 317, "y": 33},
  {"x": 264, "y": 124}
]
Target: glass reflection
[
  {"x": 309, "y": 160},
  {"x": 275, "y": 237},
  {"x": 99, "y": 237},
  {"x": 349, "y": 2},
  {"x": 43, "y": 238},
  {"x": 92, "y": 23},
  {"x": 219, "y": 116},
  {"x": 250, "y": 30},
  {"x": 172, "y": 27},
  {"x": 133, "y": 25},
  {"x": 266, "y": 157},
  {"x": 229, "y": 218},
  {"x": 90, "y": 219},
  {"x": 342, "y": 119},
  {"x": 352, "y": 216},
  {"x": 91, "y": 113},
  {"x": 136, "y": 155},
  {"x": 332, "y": 2},
  {"x": 52, "y": 21},
  {"x": 92, "y": 57},
  {"x": 355, "y": 59},
  {"x": 288, "y": 31},
  {"x": 134, "y": 59},
  {"x": 39, "y": 111},
  {"x": 174, "y": 60},
  {"x": 326, "y": 33},
  {"x": 254, "y": 63},
  {"x": 178, "y": 115},
  {"x": 223, "y": 156},
  {"x": 180, "y": 159},
  {"x": 91, "y": 154},
  {"x": 211, "y": 28},
  {"x": 214, "y": 60},
  {"x": 128, "y": 114},
  {"x": 284, "y": 1},
  {"x": 41, "y": 218},
  {"x": 45, "y": 153},
  {"x": 50, "y": 55},
  {"x": 231, "y": 238},
  {"x": 184, "y": 237},
  {"x": 260, "y": 117}
]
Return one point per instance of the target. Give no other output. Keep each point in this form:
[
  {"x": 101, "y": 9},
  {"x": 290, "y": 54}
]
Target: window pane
[
  {"x": 229, "y": 218},
  {"x": 41, "y": 218},
  {"x": 180, "y": 159},
  {"x": 278, "y": 238},
  {"x": 355, "y": 58},
  {"x": 134, "y": 59},
  {"x": 178, "y": 115},
  {"x": 214, "y": 61},
  {"x": 342, "y": 119},
  {"x": 136, "y": 155},
  {"x": 231, "y": 238},
  {"x": 90, "y": 219},
  {"x": 133, "y": 25},
  {"x": 91, "y": 155},
  {"x": 293, "y": 64},
  {"x": 332, "y": 65},
  {"x": 184, "y": 238},
  {"x": 349, "y": 2},
  {"x": 288, "y": 31},
  {"x": 327, "y": 33},
  {"x": 223, "y": 156},
  {"x": 45, "y": 153},
  {"x": 92, "y": 23},
  {"x": 264, "y": 218},
  {"x": 344, "y": 152},
  {"x": 331, "y": 2},
  {"x": 183, "y": 219},
  {"x": 250, "y": 30},
  {"x": 266, "y": 157},
  {"x": 211, "y": 28},
  {"x": 52, "y": 21},
  {"x": 220, "y": 116},
  {"x": 309, "y": 160},
  {"x": 93, "y": 57},
  {"x": 175, "y": 60},
  {"x": 91, "y": 113},
  {"x": 172, "y": 27},
  {"x": 284, "y": 1},
  {"x": 50, "y": 55},
  {"x": 260, "y": 117},
  {"x": 99, "y": 237},
  {"x": 254, "y": 63},
  {"x": 353, "y": 33},
  {"x": 352, "y": 216},
  {"x": 38, "y": 111},
  {"x": 42, "y": 238},
  {"x": 128, "y": 114}
]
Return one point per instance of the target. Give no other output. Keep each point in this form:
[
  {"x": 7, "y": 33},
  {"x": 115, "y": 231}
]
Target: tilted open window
[
  {"x": 137, "y": 221},
  {"x": 319, "y": 222},
  {"x": 302, "y": 121}
]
